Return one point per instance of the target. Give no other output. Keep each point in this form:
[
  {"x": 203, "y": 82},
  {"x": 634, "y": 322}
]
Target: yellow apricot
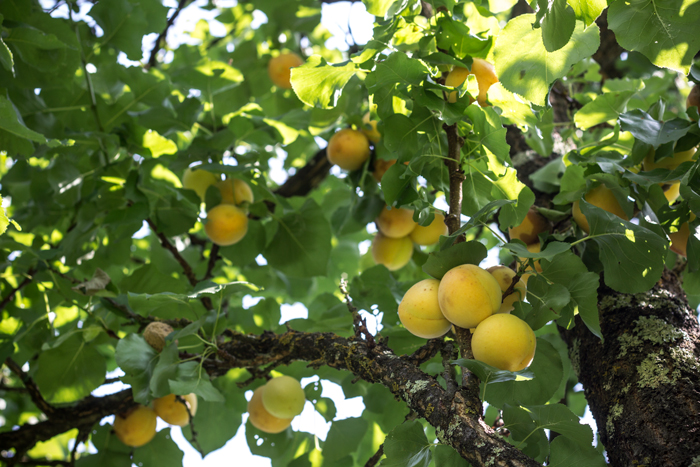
[
  {"x": 198, "y": 180},
  {"x": 419, "y": 310},
  {"x": 393, "y": 253},
  {"x": 283, "y": 397},
  {"x": 380, "y": 168},
  {"x": 235, "y": 191},
  {"x": 468, "y": 295},
  {"x": 348, "y": 149},
  {"x": 669, "y": 163},
  {"x": 395, "y": 222},
  {"x": 672, "y": 192},
  {"x": 136, "y": 427},
  {"x": 602, "y": 197},
  {"x": 173, "y": 411},
  {"x": 261, "y": 418},
  {"x": 279, "y": 68},
  {"x": 430, "y": 234},
  {"x": 485, "y": 74},
  {"x": 534, "y": 248},
  {"x": 528, "y": 231},
  {"x": 371, "y": 133},
  {"x": 504, "y": 276},
  {"x": 504, "y": 341},
  {"x": 679, "y": 239},
  {"x": 226, "y": 224}
]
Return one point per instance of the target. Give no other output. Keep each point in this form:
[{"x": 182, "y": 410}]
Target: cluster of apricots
[
  {"x": 602, "y": 197},
  {"x": 397, "y": 232},
  {"x": 275, "y": 404},
  {"x": 472, "y": 298},
  {"x": 227, "y": 223},
  {"x": 137, "y": 426}
]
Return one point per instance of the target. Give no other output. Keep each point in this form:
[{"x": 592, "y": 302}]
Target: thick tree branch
[
  {"x": 84, "y": 414},
  {"x": 31, "y": 387},
  {"x": 307, "y": 178},
  {"x": 642, "y": 381},
  {"x": 456, "y": 423}
]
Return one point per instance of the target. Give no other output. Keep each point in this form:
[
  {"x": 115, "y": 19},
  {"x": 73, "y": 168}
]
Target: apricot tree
[{"x": 553, "y": 150}]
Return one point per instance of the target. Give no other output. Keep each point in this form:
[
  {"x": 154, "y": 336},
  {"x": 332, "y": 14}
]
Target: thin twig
[
  {"x": 374, "y": 460},
  {"x": 32, "y": 388},
  {"x": 213, "y": 256},
  {"x": 161, "y": 37},
  {"x": 359, "y": 323},
  {"x": 194, "y": 440},
  {"x": 189, "y": 273},
  {"x": 29, "y": 277}
]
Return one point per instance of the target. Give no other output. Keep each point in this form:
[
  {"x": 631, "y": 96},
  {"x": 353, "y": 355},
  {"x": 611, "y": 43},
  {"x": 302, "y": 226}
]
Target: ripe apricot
[
  {"x": 380, "y": 168},
  {"x": 137, "y": 427},
  {"x": 529, "y": 229},
  {"x": 602, "y": 197},
  {"x": 198, "y": 180},
  {"x": 430, "y": 234},
  {"x": 395, "y": 222},
  {"x": 235, "y": 191},
  {"x": 173, "y": 411},
  {"x": 370, "y": 129},
  {"x": 279, "y": 68},
  {"x": 504, "y": 341},
  {"x": 261, "y": 419},
  {"x": 419, "y": 310},
  {"x": 669, "y": 163},
  {"x": 283, "y": 397},
  {"x": 468, "y": 295},
  {"x": 393, "y": 253},
  {"x": 226, "y": 224},
  {"x": 679, "y": 239},
  {"x": 504, "y": 276},
  {"x": 485, "y": 74},
  {"x": 348, "y": 149}
]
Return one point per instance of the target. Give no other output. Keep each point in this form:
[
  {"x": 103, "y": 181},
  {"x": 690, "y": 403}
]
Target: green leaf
[
  {"x": 566, "y": 452},
  {"x": 110, "y": 451},
  {"x": 70, "y": 371},
  {"x": 135, "y": 19},
  {"x": 400, "y": 133},
  {"x": 11, "y": 122},
  {"x": 378, "y": 7},
  {"x": 446, "y": 456},
  {"x": 632, "y": 256},
  {"x": 161, "y": 450},
  {"x": 4, "y": 221},
  {"x": 489, "y": 375},
  {"x": 137, "y": 359},
  {"x": 508, "y": 187},
  {"x": 6, "y": 58},
  {"x": 602, "y": 109},
  {"x": 440, "y": 262},
  {"x": 523, "y": 64},
  {"x": 344, "y": 437},
  {"x": 645, "y": 128},
  {"x": 588, "y": 10},
  {"x": 557, "y": 25},
  {"x": 398, "y": 69},
  {"x": 302, "y": 245},
  {"x": 546, "y": 300},
  {"x": 407, "y": 446},
  {"x": 667, "y": 35},
  {"x": 216, "y": 422},
  {"x": 568, "y": 270},
  {"x": 318, "y": 83}
]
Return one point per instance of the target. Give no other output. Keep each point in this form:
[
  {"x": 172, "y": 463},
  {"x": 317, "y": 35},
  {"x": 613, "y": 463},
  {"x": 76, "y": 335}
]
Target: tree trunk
[{"x": 643, "y": 381}]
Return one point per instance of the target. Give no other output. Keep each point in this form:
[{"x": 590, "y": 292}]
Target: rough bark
[{"x": 643, "y": 381}]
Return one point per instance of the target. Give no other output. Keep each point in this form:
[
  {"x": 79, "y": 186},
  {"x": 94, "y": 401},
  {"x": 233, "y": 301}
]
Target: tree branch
[
  {"x": 29, "y": 277},
  {"x": 31, "y": 387},
  {"x": 161, "y": 37}
]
